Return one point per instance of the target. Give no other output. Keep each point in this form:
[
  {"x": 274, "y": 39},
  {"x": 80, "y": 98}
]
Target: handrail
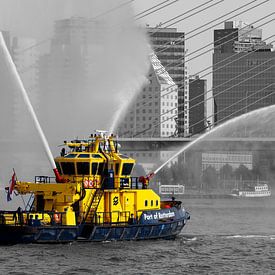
[
  {"x": 101, "y": 218},
  {"x": 30, "y": 218},
  {"x": 124, "y": 181}
]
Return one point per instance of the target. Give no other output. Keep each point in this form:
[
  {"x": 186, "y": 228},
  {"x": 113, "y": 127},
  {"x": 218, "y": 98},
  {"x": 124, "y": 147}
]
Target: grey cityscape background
[
  {"x": 193, "y": 79},
  {"x": 156, "y": 73}
]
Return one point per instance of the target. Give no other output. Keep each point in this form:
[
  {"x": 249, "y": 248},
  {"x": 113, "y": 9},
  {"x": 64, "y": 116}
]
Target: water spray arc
[
  {"x": 20, "y": 85},
  {"x": 208, "y": 91},
  {"x": 228, "y": 122}
]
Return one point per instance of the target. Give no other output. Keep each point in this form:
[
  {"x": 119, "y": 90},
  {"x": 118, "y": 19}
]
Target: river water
[{"x": 224, "y": 236}]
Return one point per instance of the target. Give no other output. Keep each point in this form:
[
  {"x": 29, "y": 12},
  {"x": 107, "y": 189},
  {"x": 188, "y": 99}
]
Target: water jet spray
[
  {"x": 146, "y": 178},
  {"x": 21, "y": 87}
]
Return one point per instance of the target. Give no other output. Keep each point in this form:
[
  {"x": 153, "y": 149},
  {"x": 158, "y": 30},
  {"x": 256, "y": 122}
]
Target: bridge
[{"x": 168, "y": 143}]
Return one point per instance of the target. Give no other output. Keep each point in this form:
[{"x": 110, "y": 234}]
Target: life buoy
[
  {"x": 86, "y": 184},
  {"x": 89, "y": 183},
  {"x": 57, "y": 217}
]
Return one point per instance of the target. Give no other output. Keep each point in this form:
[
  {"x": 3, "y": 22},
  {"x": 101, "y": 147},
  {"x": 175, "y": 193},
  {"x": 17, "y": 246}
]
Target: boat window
[
  {"x": 70, "y": 156},
  {"x": 96, "y": 156},
  {"x": 117, "y": 168},
  {"x": 94, "y": 168},
  {"x": 40, "y": 203},
  {"x": 68, "y": 168},
  {"x": 100, "y": 168},
  {"x": 146, "y": 203},
  {"x": 157, "y": 202},
  {"x": 83, "y": 168},
  {"x": 124, "y": 156},
  {"x": 152, "y": 202},
  {"x": 127, "y": 169},
  {"x": 84, "y": 155}
]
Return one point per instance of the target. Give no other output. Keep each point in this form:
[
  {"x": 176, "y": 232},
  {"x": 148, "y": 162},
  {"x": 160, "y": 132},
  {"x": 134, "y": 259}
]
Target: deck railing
[{"x": 19, "y": 218}]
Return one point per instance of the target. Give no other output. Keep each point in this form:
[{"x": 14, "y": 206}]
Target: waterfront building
[
  {"x": 219, "y": 159},
  {"x": 243, "y": 71},
  {"x": 154, "y": 111},
  {"x": 196, "y": 106},
  {"x": 169, "y": 46},
  {"x": 65, "y": 76},
  {"x": 7, "y": 99},
  {"x": 25, "y": 57},
  {"x": 15, "y": 118}
]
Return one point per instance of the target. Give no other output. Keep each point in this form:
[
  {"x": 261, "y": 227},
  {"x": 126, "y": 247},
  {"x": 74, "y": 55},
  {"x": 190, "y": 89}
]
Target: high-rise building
[
  {"x": 64, "y": 80},
  {"x": 25, "y": 56},
  {"x": 197, "y": 108},
  {"x": 17, "y": 120},
  {"x": 154, "y": 112},
  {"x": 7, "y": 104},
  {"x": 169, "y": 46},
  {"x": 243, "y": 71}
]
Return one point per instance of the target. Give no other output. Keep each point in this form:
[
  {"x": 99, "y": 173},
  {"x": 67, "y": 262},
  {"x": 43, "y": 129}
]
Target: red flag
[{"x": 11, "y": 187}]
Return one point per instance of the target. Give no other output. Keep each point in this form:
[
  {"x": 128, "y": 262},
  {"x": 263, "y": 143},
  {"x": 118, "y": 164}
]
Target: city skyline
[
  {"x": 200, "y": 19},
  {"x": 179, "y": 27}
]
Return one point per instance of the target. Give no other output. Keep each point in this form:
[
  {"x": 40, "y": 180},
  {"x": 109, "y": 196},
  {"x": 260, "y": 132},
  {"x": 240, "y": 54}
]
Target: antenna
[{"x": 102, "y": 133}]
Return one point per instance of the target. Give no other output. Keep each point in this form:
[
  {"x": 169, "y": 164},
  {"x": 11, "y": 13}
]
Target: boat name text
[{"x": 159, "y": 215}]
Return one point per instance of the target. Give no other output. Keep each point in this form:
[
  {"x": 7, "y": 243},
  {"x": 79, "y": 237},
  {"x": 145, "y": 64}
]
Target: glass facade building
[
  {"x": 243, "y": 83},
  {"x": 154, "y": 112},
  {"x": 219, "y": 159},
  {"x": 243, "y": 73},
  {"x": 197, "y": 110},
  {"x": 169, "y": 46}
]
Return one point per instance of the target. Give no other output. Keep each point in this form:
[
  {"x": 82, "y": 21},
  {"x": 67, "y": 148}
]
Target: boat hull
[
  {"x": 245, "y": 194},
  {"x": 166, "y": 229},
  {"x": 26, "y": 234},
  {"x": 29, "y": 234}
]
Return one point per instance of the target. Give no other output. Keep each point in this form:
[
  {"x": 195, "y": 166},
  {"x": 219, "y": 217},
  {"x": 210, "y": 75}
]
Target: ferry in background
[
  {"x": 169, "y": 189},
  {"x": 258, "y": 191}
]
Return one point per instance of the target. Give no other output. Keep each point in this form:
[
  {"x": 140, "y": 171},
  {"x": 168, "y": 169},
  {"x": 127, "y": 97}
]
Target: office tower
[
  {"x": 169, "y": 46},
  {"x": 197, "y": 107},
  {"x": 65, "y": 78},
  {"x": 7, "y": 97},
  {"x": 15, "y": 118},
  {"x": 154, "y": 112},
  {"x": 243, "y": 71},
  {"x": 25, "y": 57}
]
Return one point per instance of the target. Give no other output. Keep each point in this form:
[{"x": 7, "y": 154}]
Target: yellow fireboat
[{"x": 92, "y": 198}]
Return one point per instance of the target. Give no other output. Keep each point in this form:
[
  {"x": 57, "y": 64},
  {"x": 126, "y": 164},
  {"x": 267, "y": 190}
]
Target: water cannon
[
  {"x": 58, "y": 177},
  {"x": 145, "y": 179}
]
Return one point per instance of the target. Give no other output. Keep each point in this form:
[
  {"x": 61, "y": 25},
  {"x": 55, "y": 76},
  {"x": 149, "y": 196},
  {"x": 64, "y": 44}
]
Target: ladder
[
  {"x": 93, "y": 205},
  {"x": 30, "y": 203}
]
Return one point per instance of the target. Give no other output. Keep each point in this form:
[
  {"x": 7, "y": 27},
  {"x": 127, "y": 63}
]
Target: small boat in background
[{"x": 257, "y": 191}]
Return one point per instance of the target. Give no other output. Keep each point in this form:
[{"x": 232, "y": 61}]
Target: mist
[{"x": 78, "y": 60}]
